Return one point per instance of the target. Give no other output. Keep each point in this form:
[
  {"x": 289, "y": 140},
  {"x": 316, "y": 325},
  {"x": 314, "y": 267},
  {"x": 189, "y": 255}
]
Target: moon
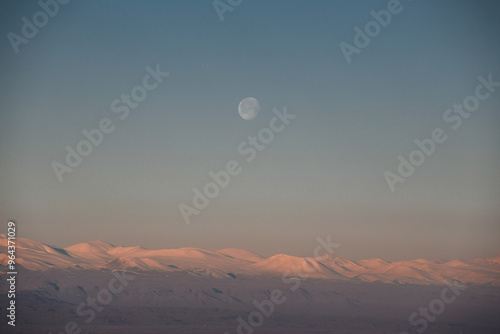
[{"x": 248, "y": 108}]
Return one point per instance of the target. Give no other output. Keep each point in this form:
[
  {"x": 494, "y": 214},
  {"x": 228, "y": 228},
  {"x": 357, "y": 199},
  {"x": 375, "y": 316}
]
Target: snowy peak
[
  {"x": 373, "y": 263},
  {"x": 90, "y": 247},
  {"x": 126, "y": 251},
  {"x": 281, "y": 263},
  {"x": 37, "y": 256},
  {"x": 298, "y": 267},
  {"x": 241, "y": 254},
  {"x": 30, "y": 245}
]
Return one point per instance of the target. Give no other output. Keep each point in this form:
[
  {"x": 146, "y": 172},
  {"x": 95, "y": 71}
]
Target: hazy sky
[{"x": 324, "y": 174}]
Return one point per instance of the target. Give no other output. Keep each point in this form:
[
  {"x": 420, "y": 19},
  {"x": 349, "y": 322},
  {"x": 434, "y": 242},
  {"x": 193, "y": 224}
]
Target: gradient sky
[{"x": 322, "y": 176}]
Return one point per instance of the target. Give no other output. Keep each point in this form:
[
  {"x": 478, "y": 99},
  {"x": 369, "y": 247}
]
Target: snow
[{"x": 241, "y": 254}]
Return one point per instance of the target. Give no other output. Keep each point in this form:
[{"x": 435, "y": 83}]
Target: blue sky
[{"x": 322, "y": 175}]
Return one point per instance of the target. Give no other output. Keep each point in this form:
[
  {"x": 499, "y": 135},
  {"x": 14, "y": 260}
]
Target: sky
[{"x": 322, "y": 175}]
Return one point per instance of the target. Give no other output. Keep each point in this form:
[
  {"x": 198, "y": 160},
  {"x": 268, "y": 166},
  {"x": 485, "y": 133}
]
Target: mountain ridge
[{"x": 36, "y": 256}]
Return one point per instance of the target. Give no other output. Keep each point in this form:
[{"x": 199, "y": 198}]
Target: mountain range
[{"x": 230, "y": 262}]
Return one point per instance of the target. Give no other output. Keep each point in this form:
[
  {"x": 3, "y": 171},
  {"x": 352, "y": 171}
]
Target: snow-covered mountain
[{"x": 227, "y": 263}]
